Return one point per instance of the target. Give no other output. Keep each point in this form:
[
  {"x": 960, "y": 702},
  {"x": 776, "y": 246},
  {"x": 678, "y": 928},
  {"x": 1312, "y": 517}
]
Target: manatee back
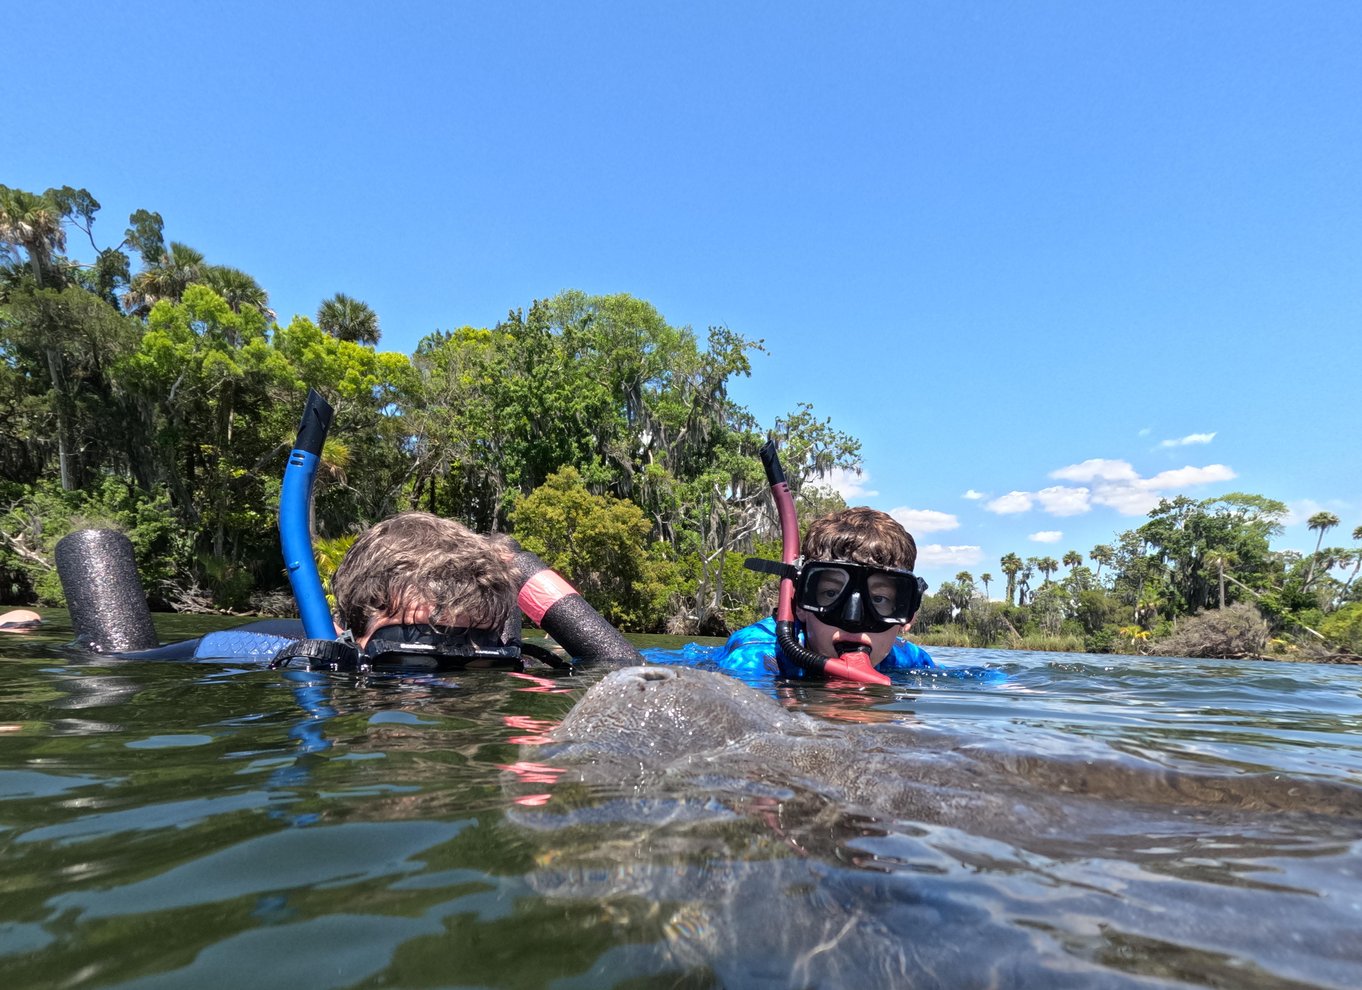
[{"x": 660, "y": 713}]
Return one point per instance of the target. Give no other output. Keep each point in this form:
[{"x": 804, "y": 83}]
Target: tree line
[
  {"x": 1198, "y": 578},
  {"x": 143, "y": 386},
  {"x": 146, "y": 387}
]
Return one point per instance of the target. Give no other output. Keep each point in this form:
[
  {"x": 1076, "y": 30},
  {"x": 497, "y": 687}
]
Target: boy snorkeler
[
  {"x": 419, "y": 590},
  {"x": 416, "y": 578},
  {"x": 855, "y": 593}
]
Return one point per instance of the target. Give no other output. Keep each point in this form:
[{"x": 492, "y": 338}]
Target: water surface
[{"x": 1118, "y": 821}]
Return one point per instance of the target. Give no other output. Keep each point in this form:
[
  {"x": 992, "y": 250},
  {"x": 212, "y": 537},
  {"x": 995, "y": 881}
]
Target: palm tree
[
  {"x": 1102, "y": 554},
  {"x": 1072, "y": 559},
  {"x": 1010, "y": 565},
  {"x": 237, "y": 289},
  {"x": 1024, "y": 580},
  {"x": 31, "y": 222},
  {"x": 1220, "y": 559},
  {"x": 1322, "y": 521},
  {"x": 180, "y": 267},
  {"x": 984, "y": 579},
  {"x": 1148, "y": 605},
  {"x": 346, "y": 318},
  {"x": 1047, "y": 566},
  {"x": 1354, "y": 557}
]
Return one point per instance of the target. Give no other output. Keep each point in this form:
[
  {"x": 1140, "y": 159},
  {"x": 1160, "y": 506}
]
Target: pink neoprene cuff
[{"x": 541, "y": 592}]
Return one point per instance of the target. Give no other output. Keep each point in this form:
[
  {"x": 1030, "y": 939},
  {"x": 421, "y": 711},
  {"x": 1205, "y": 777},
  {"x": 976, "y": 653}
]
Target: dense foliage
[
  {"x": 143, "y": 387},
  {"x": 1198, "y": 579},
  {"x": 154, "y": 391}
]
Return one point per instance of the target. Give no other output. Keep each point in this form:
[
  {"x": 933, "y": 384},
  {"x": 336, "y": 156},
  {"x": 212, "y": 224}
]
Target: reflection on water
[{"x": 1089, "y": 821}]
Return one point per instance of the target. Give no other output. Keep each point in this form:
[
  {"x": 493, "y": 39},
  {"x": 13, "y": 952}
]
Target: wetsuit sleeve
[
  {"x": 752, "y": 648},
  {"x": 907, "y": 656}
]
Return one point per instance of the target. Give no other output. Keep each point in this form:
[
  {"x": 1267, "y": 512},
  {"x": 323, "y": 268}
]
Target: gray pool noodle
[
  {"x": 574, "y": 624},
  {"x": 104, "y": 595}
]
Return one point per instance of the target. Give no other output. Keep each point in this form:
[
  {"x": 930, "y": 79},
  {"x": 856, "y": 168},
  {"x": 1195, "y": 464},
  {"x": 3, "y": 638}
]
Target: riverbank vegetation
[
  {"x": 148, "y": 387},
  {"x": 1199, "y": 578}
]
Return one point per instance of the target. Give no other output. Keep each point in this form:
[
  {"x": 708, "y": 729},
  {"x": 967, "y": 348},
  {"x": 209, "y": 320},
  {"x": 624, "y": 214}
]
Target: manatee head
[{"x": 656, "y": 714}]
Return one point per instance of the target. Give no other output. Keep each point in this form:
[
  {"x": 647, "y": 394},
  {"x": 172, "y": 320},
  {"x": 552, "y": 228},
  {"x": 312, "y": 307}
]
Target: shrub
[
  {"x": 1344, "y": 627},
  {"x": 1235, "y": 631}
]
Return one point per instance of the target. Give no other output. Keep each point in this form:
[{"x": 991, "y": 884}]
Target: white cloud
[
  {"x": 1186, "y": 476},
  {"x": 1059, "y": 500},
  {"x": 924, "y": 520},
  {"x": 1144, "y": 432},
  {"x": 1097, "y": 469},
  {"x": 1010, "y": 504},
  {"x": 972, "y": 495},
  {"x": 1047, "y": 536},
  {"x": 1298, "y": 513},
  {"x": 1125, "y": 499},
  {"x": 1301, "y": 510},
  {"x": 1109, "y": 482},
  {"x": 1119, "y": 486},
  {"x": 850, "y": 485},
  {"x": 1189, "y": 439},
  {"x": 936, "y": 555}
]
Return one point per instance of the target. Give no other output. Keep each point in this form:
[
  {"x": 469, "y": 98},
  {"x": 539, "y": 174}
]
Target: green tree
[
  {"x": 33, "y": 224},
  {"x": 1219, "y": 559},
  {"x": 1073, "y": 559},
  {"x": 347, "y": 318},
  {"x": 1101, "y": 554},
  {"x": 237, "y": 289},
  {"x": 597, "y": 542},
  {"x": 1170, "y": 549},
  {"x": 79, "y": 338},
  {"x": 1011, "y": 565},
  {"x": 1323, "y": 522},
  {"x": 810, "y": 448},
  {"x": 1356, "y": 560},
  {"x": 217, "y": 417},
  {"x": 1344, "y": 627},
  {"x": 166, "y": 278},
  {"x": 986, "y": 579}
]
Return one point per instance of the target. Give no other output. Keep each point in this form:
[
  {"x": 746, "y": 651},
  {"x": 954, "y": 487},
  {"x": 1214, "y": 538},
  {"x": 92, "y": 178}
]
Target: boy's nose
[{"x": 851, "y": 611}]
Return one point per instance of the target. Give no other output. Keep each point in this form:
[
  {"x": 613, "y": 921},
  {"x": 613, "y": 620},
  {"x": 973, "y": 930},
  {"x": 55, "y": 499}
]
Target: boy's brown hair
[
  {"x": 415, "y": 558},
  {"x": 861, "y": 535}
]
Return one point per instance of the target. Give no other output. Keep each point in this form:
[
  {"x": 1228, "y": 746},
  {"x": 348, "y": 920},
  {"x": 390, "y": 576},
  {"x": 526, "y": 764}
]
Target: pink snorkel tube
[{"x": 850, "y": 666}]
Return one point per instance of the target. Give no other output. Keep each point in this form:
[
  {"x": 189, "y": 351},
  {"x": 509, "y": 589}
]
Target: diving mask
[{"x": 858, "y": 597}]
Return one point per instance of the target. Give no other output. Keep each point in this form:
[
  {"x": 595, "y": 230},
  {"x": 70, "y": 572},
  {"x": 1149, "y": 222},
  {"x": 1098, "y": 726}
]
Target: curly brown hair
[
  {"x": 415, "y": 558},
  {"x": 863, "y": 536}
]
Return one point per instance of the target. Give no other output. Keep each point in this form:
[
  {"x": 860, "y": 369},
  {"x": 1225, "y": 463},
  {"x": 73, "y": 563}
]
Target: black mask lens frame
[
  {"x": 421, "y": 645},
  {"x": 853, "y": 606}
]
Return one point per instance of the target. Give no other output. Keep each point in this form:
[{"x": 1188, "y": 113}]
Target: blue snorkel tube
[{"x": 295, "y": 518}]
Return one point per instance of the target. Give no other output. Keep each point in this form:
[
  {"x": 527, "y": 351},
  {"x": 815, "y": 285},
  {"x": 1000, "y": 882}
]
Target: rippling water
[{"x": 1088, "y": 821}]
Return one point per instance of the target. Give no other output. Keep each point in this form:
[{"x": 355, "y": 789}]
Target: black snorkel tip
[
  {"x": 770, "y": 460},
  {"x": 315, "y": 425}
]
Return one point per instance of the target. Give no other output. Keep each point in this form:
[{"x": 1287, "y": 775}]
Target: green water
[{"x": 190, "y": 825}]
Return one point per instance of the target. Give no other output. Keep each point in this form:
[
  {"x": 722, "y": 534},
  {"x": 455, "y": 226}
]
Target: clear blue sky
[{"x": 1048, "y": 261}]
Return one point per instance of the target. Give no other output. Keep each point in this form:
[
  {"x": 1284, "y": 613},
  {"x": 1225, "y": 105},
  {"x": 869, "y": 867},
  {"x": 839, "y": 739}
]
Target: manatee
[
  {"x": 770, "y": 848},
  {"x": 668, "y": 723}
]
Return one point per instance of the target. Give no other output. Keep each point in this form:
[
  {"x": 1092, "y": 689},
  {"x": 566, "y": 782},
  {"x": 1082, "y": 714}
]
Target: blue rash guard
[{"x": 754, "y": 648}]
